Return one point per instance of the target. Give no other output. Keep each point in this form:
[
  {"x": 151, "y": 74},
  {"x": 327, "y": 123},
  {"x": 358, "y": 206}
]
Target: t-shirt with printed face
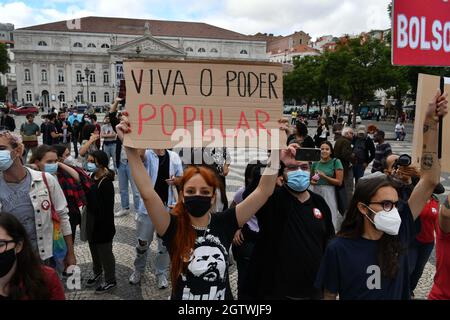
[
  {"x": 206, "y": 275},
  {"x": 350, "y": 267}
]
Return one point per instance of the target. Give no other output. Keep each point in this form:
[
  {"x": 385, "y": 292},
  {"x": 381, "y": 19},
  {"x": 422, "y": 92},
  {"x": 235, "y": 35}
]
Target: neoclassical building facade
[{"x": 74, "y": 62}]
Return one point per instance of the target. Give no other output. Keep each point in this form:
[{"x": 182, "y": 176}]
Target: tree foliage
[{"x": 4, "y": 59}]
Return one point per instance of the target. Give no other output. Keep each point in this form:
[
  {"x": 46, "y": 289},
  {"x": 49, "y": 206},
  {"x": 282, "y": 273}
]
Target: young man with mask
[
  {"x": 64, "y": 129},
  {"x": 295, "y": 227},
  {"x": 23, "y": 193},
  {"x": 162, "y": 166}
]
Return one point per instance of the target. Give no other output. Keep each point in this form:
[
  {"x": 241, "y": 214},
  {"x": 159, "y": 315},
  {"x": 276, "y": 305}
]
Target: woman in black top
[
  {"x": 301, "y": 136},
  {"x": 323, "y": 132},
  {"x": 100, "y": 227},
  {"x": 197, "y": 240}
]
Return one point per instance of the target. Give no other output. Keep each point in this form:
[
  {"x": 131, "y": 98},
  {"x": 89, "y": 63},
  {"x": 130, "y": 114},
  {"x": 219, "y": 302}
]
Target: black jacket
[
  {"x": 8, "y": 123},
  {"x": 100, "y": 210}
]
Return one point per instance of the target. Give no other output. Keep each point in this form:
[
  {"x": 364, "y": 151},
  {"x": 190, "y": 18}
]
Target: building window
[
  {"x": 106, "y": 77},
  {"x": 91, "y": 45},
  {"x": 106, "y": 97},
  {"x": 62, "y": 96},
  {"x": 105, "y": 46},
  {"x": 27, "y": 75},
  {"x": 79, "y": 76},
  {"x": 244, "y": 51},
  {"x": 44, "y": 75},
  {"x": 60, "y": 76},
  {"x": 201, "y": 50},
  {"x": 92, "y": 77},
  {"x": 79, "y": 97},
  {"x": 214, "y": 50},
  {"x": 42, "y": 44},
  {"x": 77, "y": 45},
  {"x": 93, "y": 97},
  {"x": 189, "y": 49},
  {"x": 29, "y": 96}
]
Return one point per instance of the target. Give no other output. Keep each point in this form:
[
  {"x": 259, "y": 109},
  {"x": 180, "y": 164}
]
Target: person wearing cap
[
  {"x": 364, "y": 152},
  {"x": 382, "y": 151},
  {"x": 369, "y": 258}
]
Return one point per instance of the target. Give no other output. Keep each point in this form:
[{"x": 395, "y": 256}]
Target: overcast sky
[{"x": 280, "y": 17}]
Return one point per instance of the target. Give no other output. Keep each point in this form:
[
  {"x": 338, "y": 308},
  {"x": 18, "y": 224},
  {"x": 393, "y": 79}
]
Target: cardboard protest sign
[
  {"x": 426, "y": 90},
  {"x": 181, "y": 103},
  {"x": 421, "y": 32}
]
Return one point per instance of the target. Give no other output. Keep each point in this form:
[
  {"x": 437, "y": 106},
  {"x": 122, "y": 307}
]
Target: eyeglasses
[
  {"x": 4, "y": 245},
  {"x": 387, "y": 205}
]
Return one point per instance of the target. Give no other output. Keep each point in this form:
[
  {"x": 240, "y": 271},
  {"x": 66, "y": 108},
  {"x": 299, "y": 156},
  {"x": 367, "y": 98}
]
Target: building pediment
[{"x": 146, "y": 46}]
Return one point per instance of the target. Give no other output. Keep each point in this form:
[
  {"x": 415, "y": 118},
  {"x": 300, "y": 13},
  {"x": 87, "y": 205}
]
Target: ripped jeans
[{"x": 144, "y": 232}]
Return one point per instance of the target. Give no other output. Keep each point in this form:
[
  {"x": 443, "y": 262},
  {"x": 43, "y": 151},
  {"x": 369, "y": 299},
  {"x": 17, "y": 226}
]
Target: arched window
[
  {"x": 91, "y": 45},
  {"x": 105, "y": 46},
  {"x": 243, "y": 51},
  {"x": 189, "y": 49},
  {"x": 93, "y": 97},
  {"x": 79, "y": 76},
  {"x": 201, "y": 50},
  {"x": 106, "y": 97},
  {"x": 77, "y": 45},
  {"x": 92, "y": 76},
  {"x": 62, "y": 96},
  {"x": 27, "y": 75},
  {"x": 106, "y": 77},
  {"x": 60, "y": 76},
  {"x": 42, "y": 44},
  {"x": 29, "y": 96},
  {"x": 79, "y": 96},
  {"x": 44, "y": 75},
  {"x": 214, "y": 50}
]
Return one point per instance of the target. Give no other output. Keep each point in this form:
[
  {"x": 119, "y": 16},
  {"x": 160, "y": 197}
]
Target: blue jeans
[
  {"x": 144, "y": 231},
  {"x": 419, "y": 253},
  {"x": 110, "y": 150},
  {"x": 124, "y": 178}
]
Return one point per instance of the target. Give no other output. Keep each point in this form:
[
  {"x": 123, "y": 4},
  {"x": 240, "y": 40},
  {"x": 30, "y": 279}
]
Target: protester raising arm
[
  {"x": 430, "y": 165},
  {"x": 159, "y": 215}
]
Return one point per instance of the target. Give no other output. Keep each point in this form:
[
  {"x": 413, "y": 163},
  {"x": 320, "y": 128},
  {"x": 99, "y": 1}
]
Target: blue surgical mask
[
  {"x": 51, "y": 168},
  {"x": 5, "y": 160},
  {"x": 298, "y": 180},
  {"x": 91, "y": 167}
]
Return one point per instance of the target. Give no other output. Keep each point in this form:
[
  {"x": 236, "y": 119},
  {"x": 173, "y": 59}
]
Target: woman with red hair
[{"x": 197, "y": 240}]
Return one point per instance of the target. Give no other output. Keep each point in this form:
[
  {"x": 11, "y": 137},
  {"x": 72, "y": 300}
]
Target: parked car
[{"x": 25, "y": 109}]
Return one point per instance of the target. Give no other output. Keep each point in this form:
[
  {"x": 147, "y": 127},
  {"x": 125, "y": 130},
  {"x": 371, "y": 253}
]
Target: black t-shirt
[
  {"x": 350, "y": 267},
  {"x": 161, "y": 186},
  {"x": 206, "y": 276},
  {"x": 47, "y": 129},
  {"x": 292, "y": 239}
]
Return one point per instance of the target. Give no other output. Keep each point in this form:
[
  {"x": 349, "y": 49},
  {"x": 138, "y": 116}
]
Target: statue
[{"x": 147, "y": 29}]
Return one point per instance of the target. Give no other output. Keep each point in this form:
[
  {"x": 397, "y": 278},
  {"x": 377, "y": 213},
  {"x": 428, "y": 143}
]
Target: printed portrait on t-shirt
[{"x": 205, "y": 277}]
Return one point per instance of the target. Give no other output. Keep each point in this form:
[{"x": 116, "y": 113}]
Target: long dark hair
[
  {"x": 328, "y": 143},
  {"x": 389, "y": 247},
  {"x": 28, "y": 280}
]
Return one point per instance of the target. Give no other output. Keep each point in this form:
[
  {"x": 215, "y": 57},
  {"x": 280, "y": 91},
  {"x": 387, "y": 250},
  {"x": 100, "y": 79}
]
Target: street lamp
[{"x": 87, "y": 72}]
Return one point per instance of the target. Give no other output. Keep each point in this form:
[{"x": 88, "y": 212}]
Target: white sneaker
[
  {"x": 162, "y": 282},
  {"x": 122, "y": 212},
  {"x": 135, "y": 277}
]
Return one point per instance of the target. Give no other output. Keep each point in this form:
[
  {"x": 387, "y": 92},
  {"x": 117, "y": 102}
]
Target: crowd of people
[{"x": 298, "y": 230}]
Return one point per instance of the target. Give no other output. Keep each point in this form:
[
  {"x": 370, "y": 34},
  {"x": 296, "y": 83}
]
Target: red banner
[{"x": 421, "y": 32}]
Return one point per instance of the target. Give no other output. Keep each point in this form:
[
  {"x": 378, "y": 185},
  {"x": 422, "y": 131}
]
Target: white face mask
[
  {"x": 388, "y": 222},
  {"x": 70, "y": 161}
]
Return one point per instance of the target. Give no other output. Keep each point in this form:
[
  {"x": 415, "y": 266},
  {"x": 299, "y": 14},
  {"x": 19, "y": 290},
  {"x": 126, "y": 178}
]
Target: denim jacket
[
  {"x": 152, "y": 165},
  {"x": 40, "y": 199}
]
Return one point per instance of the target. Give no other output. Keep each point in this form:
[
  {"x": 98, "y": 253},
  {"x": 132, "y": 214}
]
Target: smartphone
[{"x": 307, "y": 154}]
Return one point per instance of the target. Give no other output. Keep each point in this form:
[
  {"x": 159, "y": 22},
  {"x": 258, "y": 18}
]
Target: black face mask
[
  {"x": 7, "y": 260},
  {"x": 197, "y": 206}
]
